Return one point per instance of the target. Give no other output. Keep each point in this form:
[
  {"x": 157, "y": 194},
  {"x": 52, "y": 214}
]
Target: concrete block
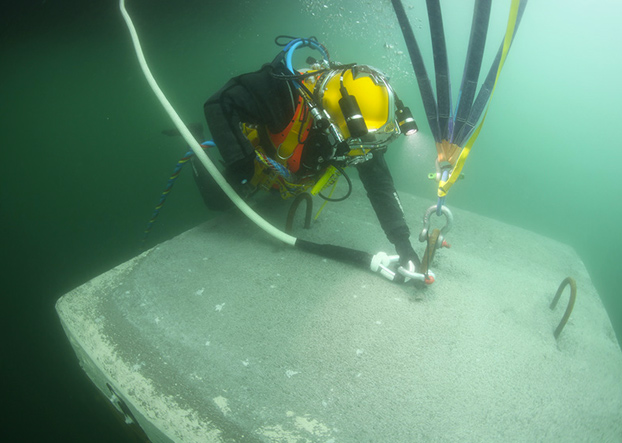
[{"x": 223, "y": 334}]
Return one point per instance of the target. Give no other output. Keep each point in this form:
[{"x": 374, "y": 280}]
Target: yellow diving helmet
[{"x": 363, "y": 106}]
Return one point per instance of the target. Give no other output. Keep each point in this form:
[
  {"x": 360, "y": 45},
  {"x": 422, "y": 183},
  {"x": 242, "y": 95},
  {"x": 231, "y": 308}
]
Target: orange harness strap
[{"x": 289, "y": 143}]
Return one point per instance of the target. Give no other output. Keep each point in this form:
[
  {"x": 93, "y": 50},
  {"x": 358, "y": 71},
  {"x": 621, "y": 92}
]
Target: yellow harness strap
[{"x": 443, "y": 186}]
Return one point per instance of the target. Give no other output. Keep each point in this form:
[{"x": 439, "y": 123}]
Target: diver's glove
[{"x": 406, "y": 252}]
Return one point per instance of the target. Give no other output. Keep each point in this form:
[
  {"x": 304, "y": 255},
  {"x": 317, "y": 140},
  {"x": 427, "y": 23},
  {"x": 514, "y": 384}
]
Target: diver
[{"x": 283, "y": 127}]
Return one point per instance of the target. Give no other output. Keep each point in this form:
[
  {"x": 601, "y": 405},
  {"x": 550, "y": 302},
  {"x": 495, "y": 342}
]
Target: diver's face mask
[{"x": 364, "y": 111}]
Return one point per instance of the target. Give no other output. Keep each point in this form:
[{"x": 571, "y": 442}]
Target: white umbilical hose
[{"x": 194, "y": 145}]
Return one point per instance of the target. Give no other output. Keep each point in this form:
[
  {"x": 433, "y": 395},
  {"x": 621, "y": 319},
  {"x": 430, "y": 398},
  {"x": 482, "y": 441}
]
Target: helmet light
[{"x": 405, "y": 119}]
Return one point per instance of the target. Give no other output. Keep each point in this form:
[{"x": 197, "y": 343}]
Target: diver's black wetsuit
[{"x": 259, "y": 98}]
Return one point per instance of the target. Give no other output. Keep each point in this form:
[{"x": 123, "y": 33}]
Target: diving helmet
[{"x": 363, "y": 106}]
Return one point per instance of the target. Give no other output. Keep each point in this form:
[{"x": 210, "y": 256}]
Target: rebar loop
[
  {"x": 573, "y": 295},
  {"x": 292, "y": 211}
]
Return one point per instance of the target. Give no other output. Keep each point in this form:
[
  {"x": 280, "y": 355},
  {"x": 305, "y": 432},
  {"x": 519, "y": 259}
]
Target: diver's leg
[{"x": 213, "y": 196}]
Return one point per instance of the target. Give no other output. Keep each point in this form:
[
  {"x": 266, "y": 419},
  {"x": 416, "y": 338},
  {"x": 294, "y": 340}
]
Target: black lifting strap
[
  {"x": 441, "y": 67},
  {"x": 438, "y": 109},
  {"x": 425, "y": 87},
  {"x": 484, "y": 93},
  {"x": 473, "y": 62}
]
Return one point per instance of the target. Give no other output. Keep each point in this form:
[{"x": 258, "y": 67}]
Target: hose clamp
[{"x": 388, "y": 267}]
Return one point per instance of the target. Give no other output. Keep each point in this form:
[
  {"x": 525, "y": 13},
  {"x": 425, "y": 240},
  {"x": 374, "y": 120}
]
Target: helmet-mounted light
[{"x": 405, "y": 119}]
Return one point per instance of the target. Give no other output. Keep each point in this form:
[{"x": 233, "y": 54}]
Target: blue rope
[{"x": 169, "y": 186}]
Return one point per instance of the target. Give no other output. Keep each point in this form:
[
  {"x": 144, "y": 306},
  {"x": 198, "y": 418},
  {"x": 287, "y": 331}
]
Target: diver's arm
[{"x": 381, "y": 192}]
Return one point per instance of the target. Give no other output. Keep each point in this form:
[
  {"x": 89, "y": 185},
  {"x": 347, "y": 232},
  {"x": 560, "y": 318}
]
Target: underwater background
[{"x": 84, "y": 159}]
